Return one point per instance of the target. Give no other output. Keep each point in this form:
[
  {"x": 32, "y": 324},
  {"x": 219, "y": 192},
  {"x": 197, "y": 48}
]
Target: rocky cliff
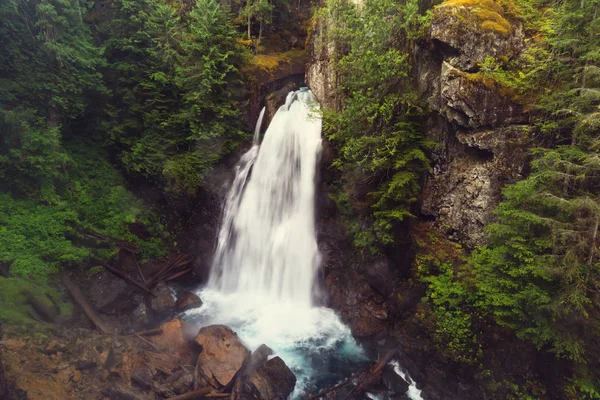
[{"x": 481, "y": 133}]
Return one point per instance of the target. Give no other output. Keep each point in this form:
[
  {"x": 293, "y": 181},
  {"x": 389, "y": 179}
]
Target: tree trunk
[
  {"x": 593, "y": 242},
  {"x": 249, "y": 26}
]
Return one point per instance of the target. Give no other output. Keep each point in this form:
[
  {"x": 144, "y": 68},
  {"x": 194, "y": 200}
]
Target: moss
[
  {"x": 486, "y": 15},
  {"x": 15, "y": 310},
  {"x": 272, "y": 61},
  {"x": 496, "y": 27}
]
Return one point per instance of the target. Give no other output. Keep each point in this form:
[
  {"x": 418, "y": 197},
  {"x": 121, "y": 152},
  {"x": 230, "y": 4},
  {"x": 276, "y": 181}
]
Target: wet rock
[
  {"x": 177, "y": 338},
  {"x": 221, "y": 357},
  {"x": 163, "y": 304},
  {"x": 187, "y": 300},
  {"x": 392, "y": 381},
  {"x": 272, "y": 381},
  {"x": 360, "y": 306}
]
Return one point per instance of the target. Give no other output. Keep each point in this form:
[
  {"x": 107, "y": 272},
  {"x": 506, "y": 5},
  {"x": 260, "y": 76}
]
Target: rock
[
  {"x": 83, "y": 365},
  {"x": 187, "y": 300},
  {"x": 142, "y": 378},
  {"x": 222, "y": 355},
  {"x": 392, "y": 381},
  {"x": 121, "y": 392},
  {"x": 162, "y": 305},
  {"x": 321, "y": 75},
  {"x": 466, "y": 35},
  {"x": 177, "y": 338},
  {"x": 473, "y": 102},
  {"x": 272, "y": 381},
  {"x": 360, "y": 306},
  {"x": 3, "y": 381},
  {"x": 465, "y": 186}
]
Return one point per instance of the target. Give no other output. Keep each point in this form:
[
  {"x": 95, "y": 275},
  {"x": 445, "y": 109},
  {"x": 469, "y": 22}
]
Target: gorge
[{"x": 421, "y": 187}]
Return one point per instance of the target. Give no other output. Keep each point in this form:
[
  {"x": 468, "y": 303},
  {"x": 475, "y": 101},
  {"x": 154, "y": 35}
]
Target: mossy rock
[
  {"x": 15, "y": 309},
  {"x": 477, "y": 29}
]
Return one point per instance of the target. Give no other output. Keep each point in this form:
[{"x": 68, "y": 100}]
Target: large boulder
[
  {"x": 177, "y": 337},
  {"x": 272, "y": 381},
  {"x": 187, "y": 300},
  {"x": 163, "y": 303},
  {"x": 222, "y": 355}
]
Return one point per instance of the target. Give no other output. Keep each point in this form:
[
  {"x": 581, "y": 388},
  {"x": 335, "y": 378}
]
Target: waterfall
[
  {"x": 267, "y": 244},
  {"x": 263, "y": 273}
]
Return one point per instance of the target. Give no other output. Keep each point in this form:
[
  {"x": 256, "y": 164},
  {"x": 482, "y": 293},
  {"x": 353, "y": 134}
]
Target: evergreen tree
[{"x": 48, "y": 64}]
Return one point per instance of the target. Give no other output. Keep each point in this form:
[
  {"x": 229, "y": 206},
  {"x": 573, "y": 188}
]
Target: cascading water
[
  {"x": 267, "y": 245},
  {"x": 263, "y": 275}
]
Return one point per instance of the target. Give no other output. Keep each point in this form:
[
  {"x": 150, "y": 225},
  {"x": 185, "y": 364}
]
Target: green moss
[
  {"x": 483, "y": 15},
  {"x": 15, "y": 310},
  {"x": 270, "y": 62},
  {"x": 496, "y": 27}
]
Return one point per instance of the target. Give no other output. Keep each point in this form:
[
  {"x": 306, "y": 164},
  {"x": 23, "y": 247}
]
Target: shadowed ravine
[{"x": 262, "y": 282}]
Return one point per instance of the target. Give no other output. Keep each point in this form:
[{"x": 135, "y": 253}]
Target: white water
[
  {"x": 263, "y": 274},
  {"x": 267, "y": 244}
]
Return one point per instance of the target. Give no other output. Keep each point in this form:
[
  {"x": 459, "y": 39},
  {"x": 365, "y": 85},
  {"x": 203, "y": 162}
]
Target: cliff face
[
  {"x": 480, "y": 126},
  {"x": 481, "y": 132}
]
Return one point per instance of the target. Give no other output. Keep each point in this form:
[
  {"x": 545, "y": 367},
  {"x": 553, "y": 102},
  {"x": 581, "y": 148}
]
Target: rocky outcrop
[
  {"x": 321, "y": 77},
  {"x": 477, "y": 123},
  {"x": 358, "y": 303},
  {"x": 472, "y": 101},
  {"x": 468, "y": 31},
  {"x": 223, "y": 354}
]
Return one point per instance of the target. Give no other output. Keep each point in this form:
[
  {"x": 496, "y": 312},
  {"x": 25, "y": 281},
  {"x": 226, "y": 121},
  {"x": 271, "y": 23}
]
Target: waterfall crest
[{"x": 267, "y": 242}]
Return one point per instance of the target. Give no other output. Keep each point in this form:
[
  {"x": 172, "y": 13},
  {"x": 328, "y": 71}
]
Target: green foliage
[
  {"x": 174, "y": 108},
  {"x": 15, "y": 309},
  {"x": 376, "y": 132},
  {"x": 42, "y": 238},
  {"x": 540, "y": 272},
  {"x": 454, "y": 331}
]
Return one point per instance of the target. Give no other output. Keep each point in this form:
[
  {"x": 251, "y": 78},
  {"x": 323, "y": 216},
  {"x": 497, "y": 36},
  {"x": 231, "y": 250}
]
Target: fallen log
[
  {"x": 150, "y": 332},
  {"x": 137, "y": 265},
  {"x": 128, "y": 279},
  {"x": 196, "y": 394},
  {"x": 85, "y": 306},
  {"x": 163, "y": 272},
  {"x": 178, "y": 274}
]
